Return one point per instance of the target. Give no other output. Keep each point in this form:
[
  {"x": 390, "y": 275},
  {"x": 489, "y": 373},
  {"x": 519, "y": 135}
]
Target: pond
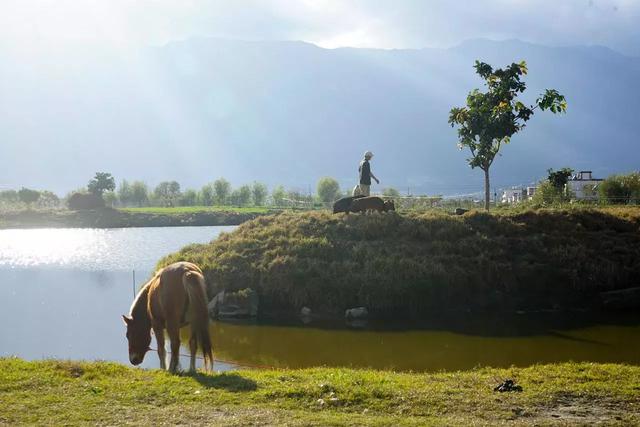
[{"x": 62, "y": 292}]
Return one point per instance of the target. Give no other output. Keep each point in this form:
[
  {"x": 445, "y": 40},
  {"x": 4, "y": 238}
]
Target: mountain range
[{"x": 291, "y": 112}]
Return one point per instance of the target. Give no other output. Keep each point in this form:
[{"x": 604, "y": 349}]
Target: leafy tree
[
  {"x": 260, "y": 193},
  {"x": 221, "y": 189},
  {"x": 125, "y": 193},
  {"x": 299, "y": 198},
  {"x": 189, "y": 197},
  {"x": 560, "y": 177},
  {"x": 621, "y": 189},
  {"x": 139, "y": 193},
  {"x": 278, "y": 195},
  {"x": 548, "y": 194},
  {"x": 206, "y": 195},
  {"x": 48, "y": 199},
  {"x": 100, "y": 183},
  {"x": 328, "y": 189},
  {"x": 241, "y": 196},
  {"x": 9, "y": 197},
  {"x": 390, "y": 192},
  {"x": 28, "y": 196},
  {"x": 168, "y": 192},
  {"x": 491, "y": 118},
  {"x": 110, "y": 198}
]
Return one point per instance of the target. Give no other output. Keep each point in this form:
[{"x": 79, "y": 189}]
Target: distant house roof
[{"x": 584, "y": 176}]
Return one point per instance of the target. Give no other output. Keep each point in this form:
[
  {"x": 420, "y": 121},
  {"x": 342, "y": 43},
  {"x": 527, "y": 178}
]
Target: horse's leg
[
  {"x": 162, "y": 352},
  {"x": 193, "y": 346},
  {"x": 173, "y": 328}
]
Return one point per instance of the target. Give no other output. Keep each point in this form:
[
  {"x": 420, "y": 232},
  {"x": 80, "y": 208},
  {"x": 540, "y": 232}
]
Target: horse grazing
[
  {"x": 344, "y": 204},
  {"x": 174, "y": 297},
  {"x": 372, "y": 203}
]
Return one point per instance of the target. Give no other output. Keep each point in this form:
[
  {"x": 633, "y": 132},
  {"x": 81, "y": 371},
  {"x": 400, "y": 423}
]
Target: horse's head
[{"x": 139, "y": 337}]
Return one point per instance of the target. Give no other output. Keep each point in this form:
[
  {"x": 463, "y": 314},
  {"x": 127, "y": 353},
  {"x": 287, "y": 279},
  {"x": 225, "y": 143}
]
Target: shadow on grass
[{"x": 226, "y": 381}]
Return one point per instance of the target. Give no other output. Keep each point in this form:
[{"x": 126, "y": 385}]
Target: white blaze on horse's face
[{"x": 139, "y": 338}]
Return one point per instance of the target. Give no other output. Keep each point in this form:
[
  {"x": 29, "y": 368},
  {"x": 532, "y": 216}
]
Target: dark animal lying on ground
[
  {"x": 344, "y": 204},
  {"x": 372, "y": 203}
]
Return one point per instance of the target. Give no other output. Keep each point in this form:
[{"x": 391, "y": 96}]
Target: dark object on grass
[
  {"x": 372, "y": 203},
  {"x": 85, "y": 201},
  {"x": 344, "y": 204},
  {"x": 460, "y": 211},
  {"x": 508, "y": 385}
]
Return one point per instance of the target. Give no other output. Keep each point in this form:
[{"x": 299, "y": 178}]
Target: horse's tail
[{"x": 196, "y": 288}]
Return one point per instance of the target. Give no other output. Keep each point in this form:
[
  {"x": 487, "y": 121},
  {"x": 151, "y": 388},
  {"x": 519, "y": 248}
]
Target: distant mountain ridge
[{"x": 292, "y": 112}]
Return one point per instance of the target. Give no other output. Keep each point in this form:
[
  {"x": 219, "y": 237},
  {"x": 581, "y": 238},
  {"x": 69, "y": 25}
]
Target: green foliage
[
  {"x": 48, "y": 199},
  {"x": 9, "y": 197},
  {"x": 178, "y": 210},
  {"x": 547, "y": 194},
  {"x": 298, "y": 199},
  {"x": 189, "y": 197},
  {"x": 390, "y": 192},
  {"x": 139, "y": 193},
  {"x": 278, "y": 196},
  {"x": 168, "y": 193},
  {"x": 241, "y": 196},
  {"x": 491, "y": 118},
  {"x": 110, "y": 198},
  {"x": 222, "y": 190},
  {"x": 125, "y": 194},
  {"x": 560, "y": 177},
  {"x": 328, "y": 190},
  {"x": 621, "y": 189},
  {"x": 28, "y": 196},
  {"x": 206, "y": 195},
  {"x": 259, "y": 193},
  {"x": 100, "y": 183},
  {"x": 414, "y": 264}
]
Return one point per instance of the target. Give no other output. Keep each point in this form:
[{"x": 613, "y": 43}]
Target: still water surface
[{"x": 62, "y": 292}]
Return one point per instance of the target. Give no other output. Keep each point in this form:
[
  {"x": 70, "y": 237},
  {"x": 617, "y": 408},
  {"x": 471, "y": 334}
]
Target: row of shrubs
[{"x": 414, "y": 264}]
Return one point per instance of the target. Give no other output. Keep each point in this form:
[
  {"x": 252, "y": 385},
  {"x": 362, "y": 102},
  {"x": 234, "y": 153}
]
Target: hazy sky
[{"x": 328, "y": 23}]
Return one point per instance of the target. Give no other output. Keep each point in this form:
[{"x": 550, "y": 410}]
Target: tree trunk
[{"x": 487, "y": 189}]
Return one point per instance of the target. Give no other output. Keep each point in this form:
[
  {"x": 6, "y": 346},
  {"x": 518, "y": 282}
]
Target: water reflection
[
  {"x": 97, "y": 249},
  {"x": 419, "y": 350},
  {"x": 67, "y": 303}
]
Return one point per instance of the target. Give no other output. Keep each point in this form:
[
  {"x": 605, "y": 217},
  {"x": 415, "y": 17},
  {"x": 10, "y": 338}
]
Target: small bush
[
  {"x": 621, "y": 189},
  {"x": 85, "y": 201}
]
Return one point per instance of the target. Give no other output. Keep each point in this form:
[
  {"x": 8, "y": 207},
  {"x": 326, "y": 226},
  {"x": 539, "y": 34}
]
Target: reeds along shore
[{"x": 409, "y": 265}]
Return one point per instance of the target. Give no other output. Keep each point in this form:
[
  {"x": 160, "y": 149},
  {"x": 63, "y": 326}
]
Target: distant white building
[
  {"x": 584, "y": 186},
  {"x": 517, "y": 194}
]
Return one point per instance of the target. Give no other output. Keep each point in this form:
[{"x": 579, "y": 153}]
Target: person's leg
[{"x": 365, "y": 190}]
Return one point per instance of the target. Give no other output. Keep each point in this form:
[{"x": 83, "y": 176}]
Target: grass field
[
  {"x": 72, "y": 393},
  {"x": 197, "y": 209}
]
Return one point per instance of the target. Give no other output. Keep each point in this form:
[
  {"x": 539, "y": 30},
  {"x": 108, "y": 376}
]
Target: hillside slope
[{"x": 414, "y": 264}]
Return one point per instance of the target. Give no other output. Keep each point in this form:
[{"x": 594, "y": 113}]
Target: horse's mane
[{"x": 139, "y": 306}]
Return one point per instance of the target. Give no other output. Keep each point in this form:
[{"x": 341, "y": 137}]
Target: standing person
[{"x": 364, "y": 187}]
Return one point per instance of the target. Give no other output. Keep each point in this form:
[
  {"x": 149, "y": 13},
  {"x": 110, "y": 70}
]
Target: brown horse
[{"x": 175, "y": 296}]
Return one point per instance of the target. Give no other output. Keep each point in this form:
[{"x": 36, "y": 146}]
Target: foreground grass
[
  {"x": 64, "y": 392},
  {"x": 197, "y": 209}
]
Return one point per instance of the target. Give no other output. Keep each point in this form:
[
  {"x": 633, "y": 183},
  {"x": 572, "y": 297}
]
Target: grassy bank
[
  {"x": 70, "y": 393},
  {"x": 116, "y": 218},
  {"x": 197, "y": 209},
  {"x": 416, "y": 263}
]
